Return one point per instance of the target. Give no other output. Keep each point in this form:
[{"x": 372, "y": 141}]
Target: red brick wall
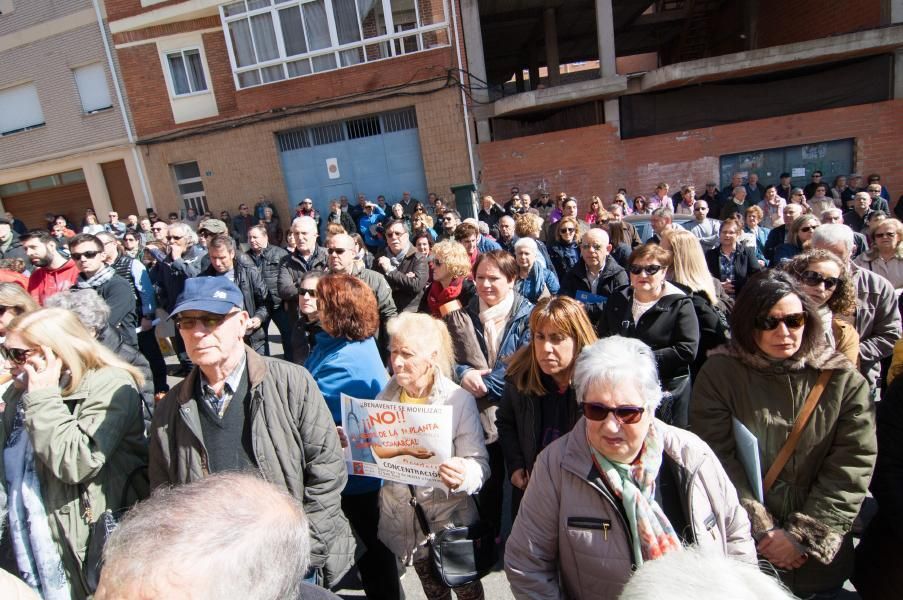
[
  {"x": 593, "y": 160},
  {"x": 119, "y": 9},
  {"x": 146, "y": 88},
  {"x": 783, "y": 22}
]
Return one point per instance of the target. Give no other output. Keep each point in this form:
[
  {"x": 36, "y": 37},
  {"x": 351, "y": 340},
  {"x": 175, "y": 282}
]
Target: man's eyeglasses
[
  {"x": 647, "y": 269},
  {"x": 794, "y": 321},
  {"x": 312, "y": 292},
  {"x": 17, "y": 356},
  {"x": 174, "y": 238},
  {"x": 626, "y": 415},
  {"x": 87, "y": 254},
  {"x": 813, "y": 279},
  {"x": 159, "y": 228},
  {"x": 394, "y": 234},
  {"x": 339, "y": 251},
  {"x": 588, "y": 246},
  {"x": 208, "y": 321}
]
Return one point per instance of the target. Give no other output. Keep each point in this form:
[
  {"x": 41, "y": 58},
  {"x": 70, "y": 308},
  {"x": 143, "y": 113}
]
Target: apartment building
[
  {"x": 65, "y": 141},
  {"x": 287, "y": 99},
  {"x": 588, "y": 96}
]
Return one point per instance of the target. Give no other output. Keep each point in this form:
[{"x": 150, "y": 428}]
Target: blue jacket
[
  {"x": 485, "y": 244},
  {"x": 377, "y": 216},
  {"x": 538, "y": 278},
  {"x": 517, "y": 334},
  {"x": 341, "y": 367},
  {"x": 564, "y": 257}
]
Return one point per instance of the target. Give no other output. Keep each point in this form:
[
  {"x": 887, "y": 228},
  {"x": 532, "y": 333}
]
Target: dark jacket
[
  {"x": 564, "y": 257},
  {"x": 407, "y": 291},
  {"x": 670, "y": 328},
  {"x": 269, "y": 261},
  {"x": 516, "y": 334},
  {"x": 304, "y": 339},
  {"x": 492, "y": 217},
  {"x": 731, "y": 208},
  {"x": 293, "y": 268},
  {"x": 169, "y": 275},
  {"x": 775, "y": 238},
  {"x": 254, "y": 292},
  {"x": 713, "y": 327},
  {"x": 295, "y": 447},
  {"x": 111, "y": 338},
  {"x": 612, "y": 278},
  {"x": 14, "y": 249},
  {"x": 118, "y": 294},
  {"x": 745, "y": 265}
]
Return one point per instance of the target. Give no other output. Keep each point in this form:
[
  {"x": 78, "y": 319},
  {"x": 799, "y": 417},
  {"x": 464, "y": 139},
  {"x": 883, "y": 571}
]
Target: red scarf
[{"x": 438, "y": 295}]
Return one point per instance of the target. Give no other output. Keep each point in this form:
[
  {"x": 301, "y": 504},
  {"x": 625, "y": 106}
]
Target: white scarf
[{"x": 494, "y": 320}]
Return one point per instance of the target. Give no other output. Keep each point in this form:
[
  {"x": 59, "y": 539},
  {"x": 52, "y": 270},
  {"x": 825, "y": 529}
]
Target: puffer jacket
[
  {"x": 94, "y": 437},
  {"x": 292, "y": 270},
  {"x": 254, "y": 291},
  {"x": 818, "y": 493},
  {"x": 295, "y": 446},
  {"x": 169, "y": 275},
  {"x": 571, "y": 540},
  {"x": 612, "y": 278},
  {"x": 269, "y": 261},
  {"x": 398, "y": 526}
]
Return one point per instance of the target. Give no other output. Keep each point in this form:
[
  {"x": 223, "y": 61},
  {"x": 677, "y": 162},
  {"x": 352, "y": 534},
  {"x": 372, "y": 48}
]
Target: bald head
[{"x": 341, "y": 250}]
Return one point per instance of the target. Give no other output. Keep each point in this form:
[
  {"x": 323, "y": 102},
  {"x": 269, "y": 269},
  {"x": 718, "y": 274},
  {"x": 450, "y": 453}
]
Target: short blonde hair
[
  {"x": 454, "y": 255},
  {"x": 527, "y": 225},
  {"x": 426, "y": 334}
]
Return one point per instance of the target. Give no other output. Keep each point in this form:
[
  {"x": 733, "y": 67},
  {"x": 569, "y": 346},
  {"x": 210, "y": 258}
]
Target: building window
[
  {"x": 272, "y": 40},
  {"x": 91, "y": 81},
  {"x": 6, "y": 7},
  {"x": 186, "y": 72},
  {"x": 20, "y": 109},
  {"x": 41, "y": 183},
  {"x": 191, "y": 187}
]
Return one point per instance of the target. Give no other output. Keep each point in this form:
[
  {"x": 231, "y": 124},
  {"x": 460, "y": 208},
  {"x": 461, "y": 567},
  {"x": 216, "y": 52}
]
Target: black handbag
[
  {"x": 99, "y": 530},
  {"x": 460, "y": 554}
]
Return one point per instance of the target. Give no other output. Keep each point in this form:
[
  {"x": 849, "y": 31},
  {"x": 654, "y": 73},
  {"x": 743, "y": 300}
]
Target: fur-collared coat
[{"x": 818, "y": 493}]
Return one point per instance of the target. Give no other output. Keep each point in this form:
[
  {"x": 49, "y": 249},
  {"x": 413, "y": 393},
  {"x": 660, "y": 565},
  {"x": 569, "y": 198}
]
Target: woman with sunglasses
[
  {"x": 660, "y": 314},
  {"x": 885, "y": 257},
  {"x": 641, "y": 206},
  {"x": 596, "y": 210},
  {"x": 565, "y": 250},
  {"x": 345, "y": 360},
  {"x": 304, "y": 334},
  {"x": 762, "y": 378},
  {"x": 827, "y": 282},
  {"x": 72, "y": 432},
  {"x": 731, "y": 262},
  {"x": 538, "y": 405},
  {"x": 799, "y": 232},
  {"x": 622, "y": 488}
]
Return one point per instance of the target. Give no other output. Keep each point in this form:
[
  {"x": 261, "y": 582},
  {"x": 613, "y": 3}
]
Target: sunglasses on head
[
  {"x": 626, "y": 415},
  {"x": 87, "y": 254},
  {"x": 647, "y": 269},
  {"x": 813, "y": 279},
  {"x": 17, "y": 356},
  {"x": 794, "y": 321}
]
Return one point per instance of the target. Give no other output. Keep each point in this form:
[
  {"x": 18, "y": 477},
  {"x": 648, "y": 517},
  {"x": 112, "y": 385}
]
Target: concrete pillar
[
  {"x": 142, "y": 202},
  {"x": 473, "y": 40},
  {"x": 97, "y": 187},
  {"x": 605, "y": 34},
  {"x": 552, "y": 59}
]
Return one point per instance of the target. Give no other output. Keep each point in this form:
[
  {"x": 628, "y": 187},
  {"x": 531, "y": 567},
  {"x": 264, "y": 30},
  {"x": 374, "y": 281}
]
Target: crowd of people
[{"x": 612, "y": 382}]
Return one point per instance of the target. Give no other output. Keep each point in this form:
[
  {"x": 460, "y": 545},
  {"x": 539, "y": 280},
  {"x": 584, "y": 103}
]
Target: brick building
[
  {"x": 593, "y": 95},
  {"x": 287, "y": 99},
  {"x": 65, "y": 140}
]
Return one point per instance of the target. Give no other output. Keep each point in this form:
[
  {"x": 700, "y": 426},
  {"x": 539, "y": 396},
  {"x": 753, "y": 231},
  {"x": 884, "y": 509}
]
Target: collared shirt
[
  {"x": 726, "y": 265},
  {"x": 219, "y": 403}
]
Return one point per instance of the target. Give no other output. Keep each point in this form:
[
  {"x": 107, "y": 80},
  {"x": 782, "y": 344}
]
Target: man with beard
[{"x": 54, "y": 273}]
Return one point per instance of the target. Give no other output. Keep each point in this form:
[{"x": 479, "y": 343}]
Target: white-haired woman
[
  {"x": 622, "y": 488},
  {"x": 421, "y": 358},
  {"x": 535, "y": 279},
  {"x": 72, "y": 429},
  {"x": 885, "y": 257}
]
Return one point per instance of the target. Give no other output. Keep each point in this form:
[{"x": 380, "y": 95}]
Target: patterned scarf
[
  {"x": 96, "y": 280},
  {"x": 634, "y": 484}
]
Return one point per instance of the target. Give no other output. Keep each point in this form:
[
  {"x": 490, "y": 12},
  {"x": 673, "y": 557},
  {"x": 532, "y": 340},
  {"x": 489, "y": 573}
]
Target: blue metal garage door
[{"x": 373, "y": 155}]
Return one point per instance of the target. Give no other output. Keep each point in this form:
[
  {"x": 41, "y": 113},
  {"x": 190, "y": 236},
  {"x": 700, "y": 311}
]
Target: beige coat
[{"x": 570, "y": 539}]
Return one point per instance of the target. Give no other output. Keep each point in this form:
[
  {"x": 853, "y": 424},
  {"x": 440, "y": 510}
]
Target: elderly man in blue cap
[{"x": 239, "y": 411}]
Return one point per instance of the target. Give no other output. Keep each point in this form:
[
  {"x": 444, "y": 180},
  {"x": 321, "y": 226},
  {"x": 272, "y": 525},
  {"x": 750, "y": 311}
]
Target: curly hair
[
  {"x": 454, "y": 256},
  {"x": 527, "y": 225},
  {"x": 843, "y": 300},
  {"x": 347, "y": 308}
]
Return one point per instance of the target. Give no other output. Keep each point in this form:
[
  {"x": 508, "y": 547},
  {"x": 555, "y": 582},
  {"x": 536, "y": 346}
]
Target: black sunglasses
[
  {"x": 17, "y": 356},
  {"x": 339, "y": 251},
  {"x": 3, "y": 309},
  {"x": 794, "y": 321},
  {"x": 86, "y": 254},
  {"x": 626, "y": 415},
  {"x": 813, "y": 279},
  {"x": 312, "y": 292},
  {"x": 209, "y": 322},
  {"x": 647, "y": 269}
]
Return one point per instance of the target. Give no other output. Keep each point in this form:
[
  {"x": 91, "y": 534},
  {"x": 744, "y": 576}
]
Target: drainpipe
[
  {"x": 473, "y": 171},
  {"x": 121, "y": 101}
]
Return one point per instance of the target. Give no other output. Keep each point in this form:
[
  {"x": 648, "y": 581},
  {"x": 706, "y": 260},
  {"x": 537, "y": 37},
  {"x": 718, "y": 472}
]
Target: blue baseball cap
[{"x": 215, "y": 295}]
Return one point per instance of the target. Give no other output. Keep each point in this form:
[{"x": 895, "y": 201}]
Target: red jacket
[{"x": 45, "y": 282}]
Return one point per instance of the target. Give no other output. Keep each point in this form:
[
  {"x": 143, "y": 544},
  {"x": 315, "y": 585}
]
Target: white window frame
[
  {"x": 392, "y": 41},
  {"x": 195, "y": 200},
  {"x": 167, "y": 71},
  {"x": 81, "y": 95},
  {"x": 23, "y": 129},
  {"x": 7, "y": 7}
]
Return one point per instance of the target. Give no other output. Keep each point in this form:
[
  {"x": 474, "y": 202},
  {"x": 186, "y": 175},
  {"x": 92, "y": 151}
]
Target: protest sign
[{"x": 398, "y": 442}]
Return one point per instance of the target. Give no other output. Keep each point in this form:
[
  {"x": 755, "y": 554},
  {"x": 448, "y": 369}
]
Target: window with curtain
[
  {"x": 91, "y": 81},
  {"x": 20, "y": 109},
  {"x": 271, "y": 40},
  {"x": 186, "y": 71}
]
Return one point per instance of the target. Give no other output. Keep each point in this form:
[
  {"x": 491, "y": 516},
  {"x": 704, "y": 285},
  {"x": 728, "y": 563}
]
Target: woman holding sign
[
  {"x": 421, "y": 358},
  {"x": 779, "y": 375},
  {"x": 345, "y": 360}
]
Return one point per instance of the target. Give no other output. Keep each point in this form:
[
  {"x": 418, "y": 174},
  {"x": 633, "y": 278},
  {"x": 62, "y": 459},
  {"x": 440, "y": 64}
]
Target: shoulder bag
[
  {"x": 797, "y": 431},
  {"x": 460, "y": 554}
]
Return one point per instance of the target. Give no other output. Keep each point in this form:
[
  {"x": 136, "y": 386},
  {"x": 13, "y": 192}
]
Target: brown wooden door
[
  {"x": 70, "y": 201},
  {"x": 119, "y": 188}
]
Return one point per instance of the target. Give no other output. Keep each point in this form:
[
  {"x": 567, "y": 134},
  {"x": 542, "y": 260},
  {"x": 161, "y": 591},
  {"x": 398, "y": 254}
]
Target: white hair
[
  {"x": 597, "y": 231},
  {"x": 830, "y": 212},
  {"x": 92, "y": 310},
  {"x": 299, "y": 221},
  {"x": 230, "y": 535},
  {"x": 694, "y": 574},
  {"x": 618, "y": 359},
  {"x": 187, "y": 231},
  {"x": 528, "y": 243},
  {"x": 834, "y": 234}
]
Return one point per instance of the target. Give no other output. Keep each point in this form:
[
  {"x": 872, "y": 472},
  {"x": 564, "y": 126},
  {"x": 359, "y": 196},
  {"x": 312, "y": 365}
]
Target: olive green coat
[
  {"x": 818, "y": 493},
  {"x": 93, "y": 437}
]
